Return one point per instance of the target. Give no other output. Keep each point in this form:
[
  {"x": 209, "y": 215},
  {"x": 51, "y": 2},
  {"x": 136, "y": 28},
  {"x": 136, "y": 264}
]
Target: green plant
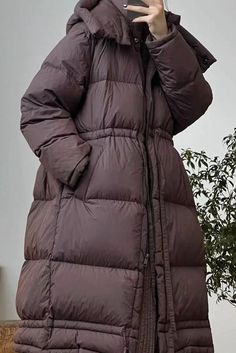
[{"x": 213, "y": 183}]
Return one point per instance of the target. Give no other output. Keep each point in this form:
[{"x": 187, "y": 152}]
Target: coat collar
[{"x": 107, "y": 19}]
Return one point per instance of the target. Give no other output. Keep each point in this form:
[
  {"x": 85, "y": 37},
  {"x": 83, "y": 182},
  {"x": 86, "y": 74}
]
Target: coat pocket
[
  {"x": 86, "y": 176},
  {"x": 95, "y": 158}
]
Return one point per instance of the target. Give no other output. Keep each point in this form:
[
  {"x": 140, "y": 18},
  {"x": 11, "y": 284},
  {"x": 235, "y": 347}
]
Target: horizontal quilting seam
[
  {"x": 80, "y": 264},
  {"x": 176, "y": 203},
  {"x": 46, "y": 349},
  {"x": 75, "y": 327},
  {"x": 69, "y": 73},
  {"x": 57, "y": 348},
  {"x": 119, "y": 128},
  {"x": 90, "y": 329},
  {"x": 117, "y": 81},
  {"x": 196, "y": 320},
  {"x": 112, "y": 129},
  {"x": 188, "y": 265},
  {"x": 192, "y": 328},
  {"x": 194, "y": 346},
  {"x": 102, "y": 199},
  {"x": 170, "y": 90},
  {"x": 102, "y": 137},
  {"x": 87, "y": 199},
  {"x": 116, "y": 268},
  {"x": 189, "y": 321}
]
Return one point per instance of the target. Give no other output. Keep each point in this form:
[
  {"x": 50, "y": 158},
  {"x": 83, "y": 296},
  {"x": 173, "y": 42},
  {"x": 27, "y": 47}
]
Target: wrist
[{"x": 160, "y": 36}]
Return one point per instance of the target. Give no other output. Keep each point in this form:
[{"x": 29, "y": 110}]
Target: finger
[
  {"x": 146, "y": 19},
  {"x": 141, "y": 9}
]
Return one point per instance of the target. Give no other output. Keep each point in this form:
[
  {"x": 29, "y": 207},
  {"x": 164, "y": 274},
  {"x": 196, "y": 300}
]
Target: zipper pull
[{"x": 146, "y": 259}]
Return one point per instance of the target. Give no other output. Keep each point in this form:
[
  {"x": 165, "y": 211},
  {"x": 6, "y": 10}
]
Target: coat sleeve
[
  {"x": 187, "y": 92},
  {"x": 50, "y": 103}
]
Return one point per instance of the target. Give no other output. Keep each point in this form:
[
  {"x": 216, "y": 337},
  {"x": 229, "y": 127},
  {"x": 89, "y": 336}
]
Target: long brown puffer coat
[{"x": 114, "y": 252}]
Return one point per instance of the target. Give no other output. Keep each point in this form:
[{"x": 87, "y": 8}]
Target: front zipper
[
  {"x": 147, "y": 336},
  {"x": 126, "y": 349},
  {"x": 145, "y": 262}
]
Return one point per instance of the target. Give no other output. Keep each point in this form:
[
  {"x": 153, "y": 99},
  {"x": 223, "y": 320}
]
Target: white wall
[{"x": 28, "y": 31}]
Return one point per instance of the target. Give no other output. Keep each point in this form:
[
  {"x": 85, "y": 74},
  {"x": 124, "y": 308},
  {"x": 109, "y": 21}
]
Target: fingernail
[{"x": 124, "y": 5}]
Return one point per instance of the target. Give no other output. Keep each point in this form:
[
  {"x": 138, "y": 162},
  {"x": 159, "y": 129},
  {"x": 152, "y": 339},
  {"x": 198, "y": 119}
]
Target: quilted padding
[{"x": 114, "y": 252}]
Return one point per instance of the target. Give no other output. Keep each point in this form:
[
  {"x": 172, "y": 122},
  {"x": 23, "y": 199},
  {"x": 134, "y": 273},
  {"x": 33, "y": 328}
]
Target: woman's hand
[{"x": 155, "y": 18}]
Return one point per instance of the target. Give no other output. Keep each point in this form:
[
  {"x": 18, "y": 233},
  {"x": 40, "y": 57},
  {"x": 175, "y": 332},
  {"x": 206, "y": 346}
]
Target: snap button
[{"x": 136, "y": 39}]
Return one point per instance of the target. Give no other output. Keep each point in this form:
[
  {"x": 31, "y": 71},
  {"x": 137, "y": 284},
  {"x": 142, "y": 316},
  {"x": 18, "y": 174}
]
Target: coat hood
[{"x": 104, "y": 19}]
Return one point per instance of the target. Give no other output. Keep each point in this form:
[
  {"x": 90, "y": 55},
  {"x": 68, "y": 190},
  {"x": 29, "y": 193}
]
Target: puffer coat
[{"x": 114, "y": 252}]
